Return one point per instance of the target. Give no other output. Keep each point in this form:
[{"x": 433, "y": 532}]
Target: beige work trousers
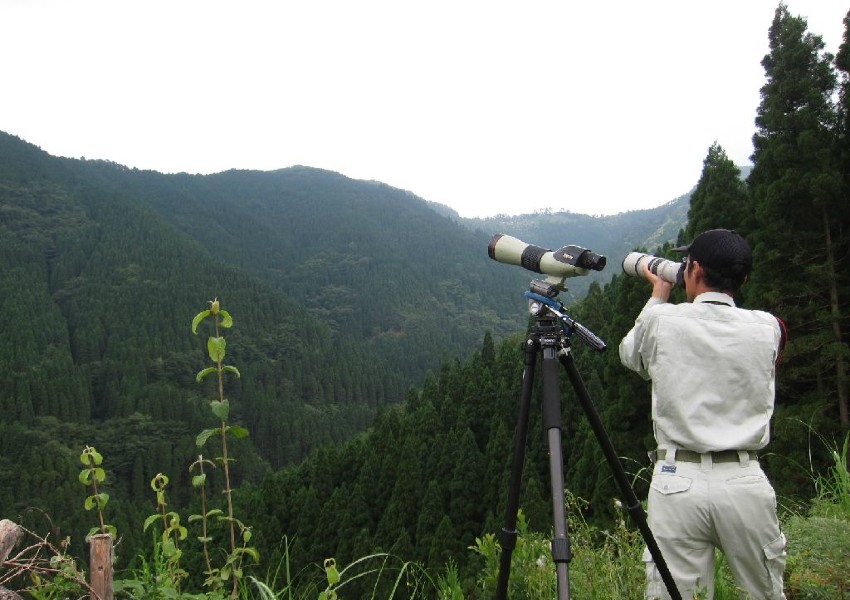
[{"x": 696, "y": 507}]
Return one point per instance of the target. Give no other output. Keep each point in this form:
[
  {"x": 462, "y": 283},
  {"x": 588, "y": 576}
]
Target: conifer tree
[
  {"x": 800, "y": 215},
  {"x": 720, "y": 199},
  {"x": 842, "y": 63}
]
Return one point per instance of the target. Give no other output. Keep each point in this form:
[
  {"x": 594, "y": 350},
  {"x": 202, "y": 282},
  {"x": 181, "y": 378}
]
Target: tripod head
[{"x": 543, "y": 303}]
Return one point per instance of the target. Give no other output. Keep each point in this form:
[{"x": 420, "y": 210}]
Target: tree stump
[{"x": 10, "y": 535}]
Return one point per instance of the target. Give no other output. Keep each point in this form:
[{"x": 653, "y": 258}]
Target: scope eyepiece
[{"x": 581, "y": 257}]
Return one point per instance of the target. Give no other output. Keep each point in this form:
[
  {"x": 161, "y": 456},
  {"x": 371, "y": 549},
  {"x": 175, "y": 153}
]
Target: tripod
[{"x": 550, "y": 338}]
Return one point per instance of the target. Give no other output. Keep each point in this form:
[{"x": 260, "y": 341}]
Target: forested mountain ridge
[{"x": 345, "y": 293}]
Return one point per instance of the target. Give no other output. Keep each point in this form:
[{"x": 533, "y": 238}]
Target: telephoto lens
[{"x": 667, "y": 270}]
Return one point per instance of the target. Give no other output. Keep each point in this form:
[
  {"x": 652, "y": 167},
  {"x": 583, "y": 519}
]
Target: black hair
[{"x": 730, "y": 278}]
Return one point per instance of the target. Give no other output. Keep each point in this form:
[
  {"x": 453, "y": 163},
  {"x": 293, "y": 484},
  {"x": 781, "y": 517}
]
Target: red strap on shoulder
[{"x": 783, "y": 338}]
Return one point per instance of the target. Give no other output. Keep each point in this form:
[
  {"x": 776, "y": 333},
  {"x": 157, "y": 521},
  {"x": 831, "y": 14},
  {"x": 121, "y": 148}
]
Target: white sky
[{"x": 487, "y": 106}]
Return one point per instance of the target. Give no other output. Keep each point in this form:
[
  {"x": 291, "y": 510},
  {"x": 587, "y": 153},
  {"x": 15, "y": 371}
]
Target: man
[{"x": 712, "y": 367}]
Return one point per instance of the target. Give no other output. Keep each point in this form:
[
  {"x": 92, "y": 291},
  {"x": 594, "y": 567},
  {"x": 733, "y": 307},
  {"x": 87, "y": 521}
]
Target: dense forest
[{"x": 379, "y": 348}]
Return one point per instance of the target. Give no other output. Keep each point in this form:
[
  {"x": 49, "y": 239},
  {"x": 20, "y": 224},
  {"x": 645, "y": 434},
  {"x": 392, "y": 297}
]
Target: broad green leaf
[
  {"x": 85, "y": 476},
  {"x": 203, "y": 373},
  {"x": 168, "y": 548},
  {"x": 233, "y": 370},
  {"x": 198, "y": 318},
  {"x": 99, "y": 475},
  {"x": 216, "y": 348},
  {"x": 204, "y": 436},
  {"x": 89, "y": 503},
  {"x": 215, "y": 512},
  {"x": 90, "y": 455},
  {"x": 253, "y": 552},
  {"x": 199, "y": 480},
  {"x": 221, "y": 409},
  {"x": 238, "y": 432},
  {"x": 150, "y": 521},
  {"x": 111, "y": 530},
  {"x": 226, "y": 319},
  {"x": 103, "y": 499}
]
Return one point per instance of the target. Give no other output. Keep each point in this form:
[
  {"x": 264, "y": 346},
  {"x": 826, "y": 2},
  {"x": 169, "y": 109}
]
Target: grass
[{"x": 606, "y": 564}]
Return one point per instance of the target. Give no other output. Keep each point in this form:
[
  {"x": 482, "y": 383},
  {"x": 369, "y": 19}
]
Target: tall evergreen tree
[
  {"x": 796, "y": 185},
  {"x": 842, "y": 63},
  {"x": 720, "y": 199}
]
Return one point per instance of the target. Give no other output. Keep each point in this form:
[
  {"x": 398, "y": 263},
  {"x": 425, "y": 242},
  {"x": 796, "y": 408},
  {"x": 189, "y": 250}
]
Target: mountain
[{"x": 344, "y": 294}]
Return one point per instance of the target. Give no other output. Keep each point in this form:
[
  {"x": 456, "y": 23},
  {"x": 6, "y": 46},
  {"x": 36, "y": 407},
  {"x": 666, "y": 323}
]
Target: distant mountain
[{"x": 344, "y": 293}]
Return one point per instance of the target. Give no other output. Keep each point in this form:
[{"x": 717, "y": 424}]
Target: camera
[
  {"x": 668, "y": 270},
  {"x": 569, "y": 261}
]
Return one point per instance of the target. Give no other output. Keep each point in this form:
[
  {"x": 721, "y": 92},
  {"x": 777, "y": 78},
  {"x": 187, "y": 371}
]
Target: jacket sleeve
[{"x": 633, "y": 342}]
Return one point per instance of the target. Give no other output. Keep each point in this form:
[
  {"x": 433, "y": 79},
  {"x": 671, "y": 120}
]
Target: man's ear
[{"x": 696, "y": 270}]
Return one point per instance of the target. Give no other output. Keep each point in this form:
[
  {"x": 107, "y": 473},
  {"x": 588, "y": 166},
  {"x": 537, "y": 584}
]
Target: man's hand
[{"x": 660, "y": 287}]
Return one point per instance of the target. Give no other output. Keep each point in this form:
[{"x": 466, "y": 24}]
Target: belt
[{"x": 721, "y": 456}]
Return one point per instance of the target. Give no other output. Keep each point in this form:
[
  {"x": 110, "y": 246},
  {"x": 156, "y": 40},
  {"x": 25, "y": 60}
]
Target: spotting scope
[
  {"x": 569, "y": 261},
  {"x": 668, "y": 270}
]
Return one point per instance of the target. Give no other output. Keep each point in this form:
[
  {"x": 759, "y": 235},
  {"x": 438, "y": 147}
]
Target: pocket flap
[
  {"x": 670, "y": 484},
  {"x": 776, "y": 548}
]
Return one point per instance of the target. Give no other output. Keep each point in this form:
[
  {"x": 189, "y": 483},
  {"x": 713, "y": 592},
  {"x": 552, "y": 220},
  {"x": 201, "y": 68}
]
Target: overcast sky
[{"x": 597, "y": 107}]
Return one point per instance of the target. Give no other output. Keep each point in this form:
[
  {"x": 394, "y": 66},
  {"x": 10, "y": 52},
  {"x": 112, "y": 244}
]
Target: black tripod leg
[
  {"x": 634, "y": 505},
  {"x": 561, "y": 553},
  {"x": 509, "y": 534}
]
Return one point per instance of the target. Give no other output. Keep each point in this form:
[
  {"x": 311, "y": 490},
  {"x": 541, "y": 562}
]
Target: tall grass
[{"x": 819, "y": 539}]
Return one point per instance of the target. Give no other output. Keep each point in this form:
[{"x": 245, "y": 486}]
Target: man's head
[{"x": 724, "y": 256}]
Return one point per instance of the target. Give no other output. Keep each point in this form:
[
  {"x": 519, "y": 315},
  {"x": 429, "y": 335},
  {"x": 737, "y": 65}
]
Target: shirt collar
[{"x": 715, "y": 298}]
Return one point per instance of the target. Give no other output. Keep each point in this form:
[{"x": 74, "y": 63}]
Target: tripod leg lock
[
  {"x": 507, "y": 539},
  {"x": 561, "y": 552}
]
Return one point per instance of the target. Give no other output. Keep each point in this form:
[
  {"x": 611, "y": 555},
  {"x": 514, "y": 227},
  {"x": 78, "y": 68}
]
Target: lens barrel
[{"x": 667, "y": 270}]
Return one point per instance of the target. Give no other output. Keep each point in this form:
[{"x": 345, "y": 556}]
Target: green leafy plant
[
  {"x": 173, "y": 533},
  {"x": 380, "y": 573},
  {"x": 240, "y": 534},
  {"x": 91, "y": 475}
]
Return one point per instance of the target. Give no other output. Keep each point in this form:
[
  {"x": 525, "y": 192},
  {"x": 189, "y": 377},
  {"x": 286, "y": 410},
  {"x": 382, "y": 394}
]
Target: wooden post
[{"x": 101, "y": 566}]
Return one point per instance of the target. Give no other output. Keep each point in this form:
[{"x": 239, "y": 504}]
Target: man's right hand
[{"x": 660, "y": 287}]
